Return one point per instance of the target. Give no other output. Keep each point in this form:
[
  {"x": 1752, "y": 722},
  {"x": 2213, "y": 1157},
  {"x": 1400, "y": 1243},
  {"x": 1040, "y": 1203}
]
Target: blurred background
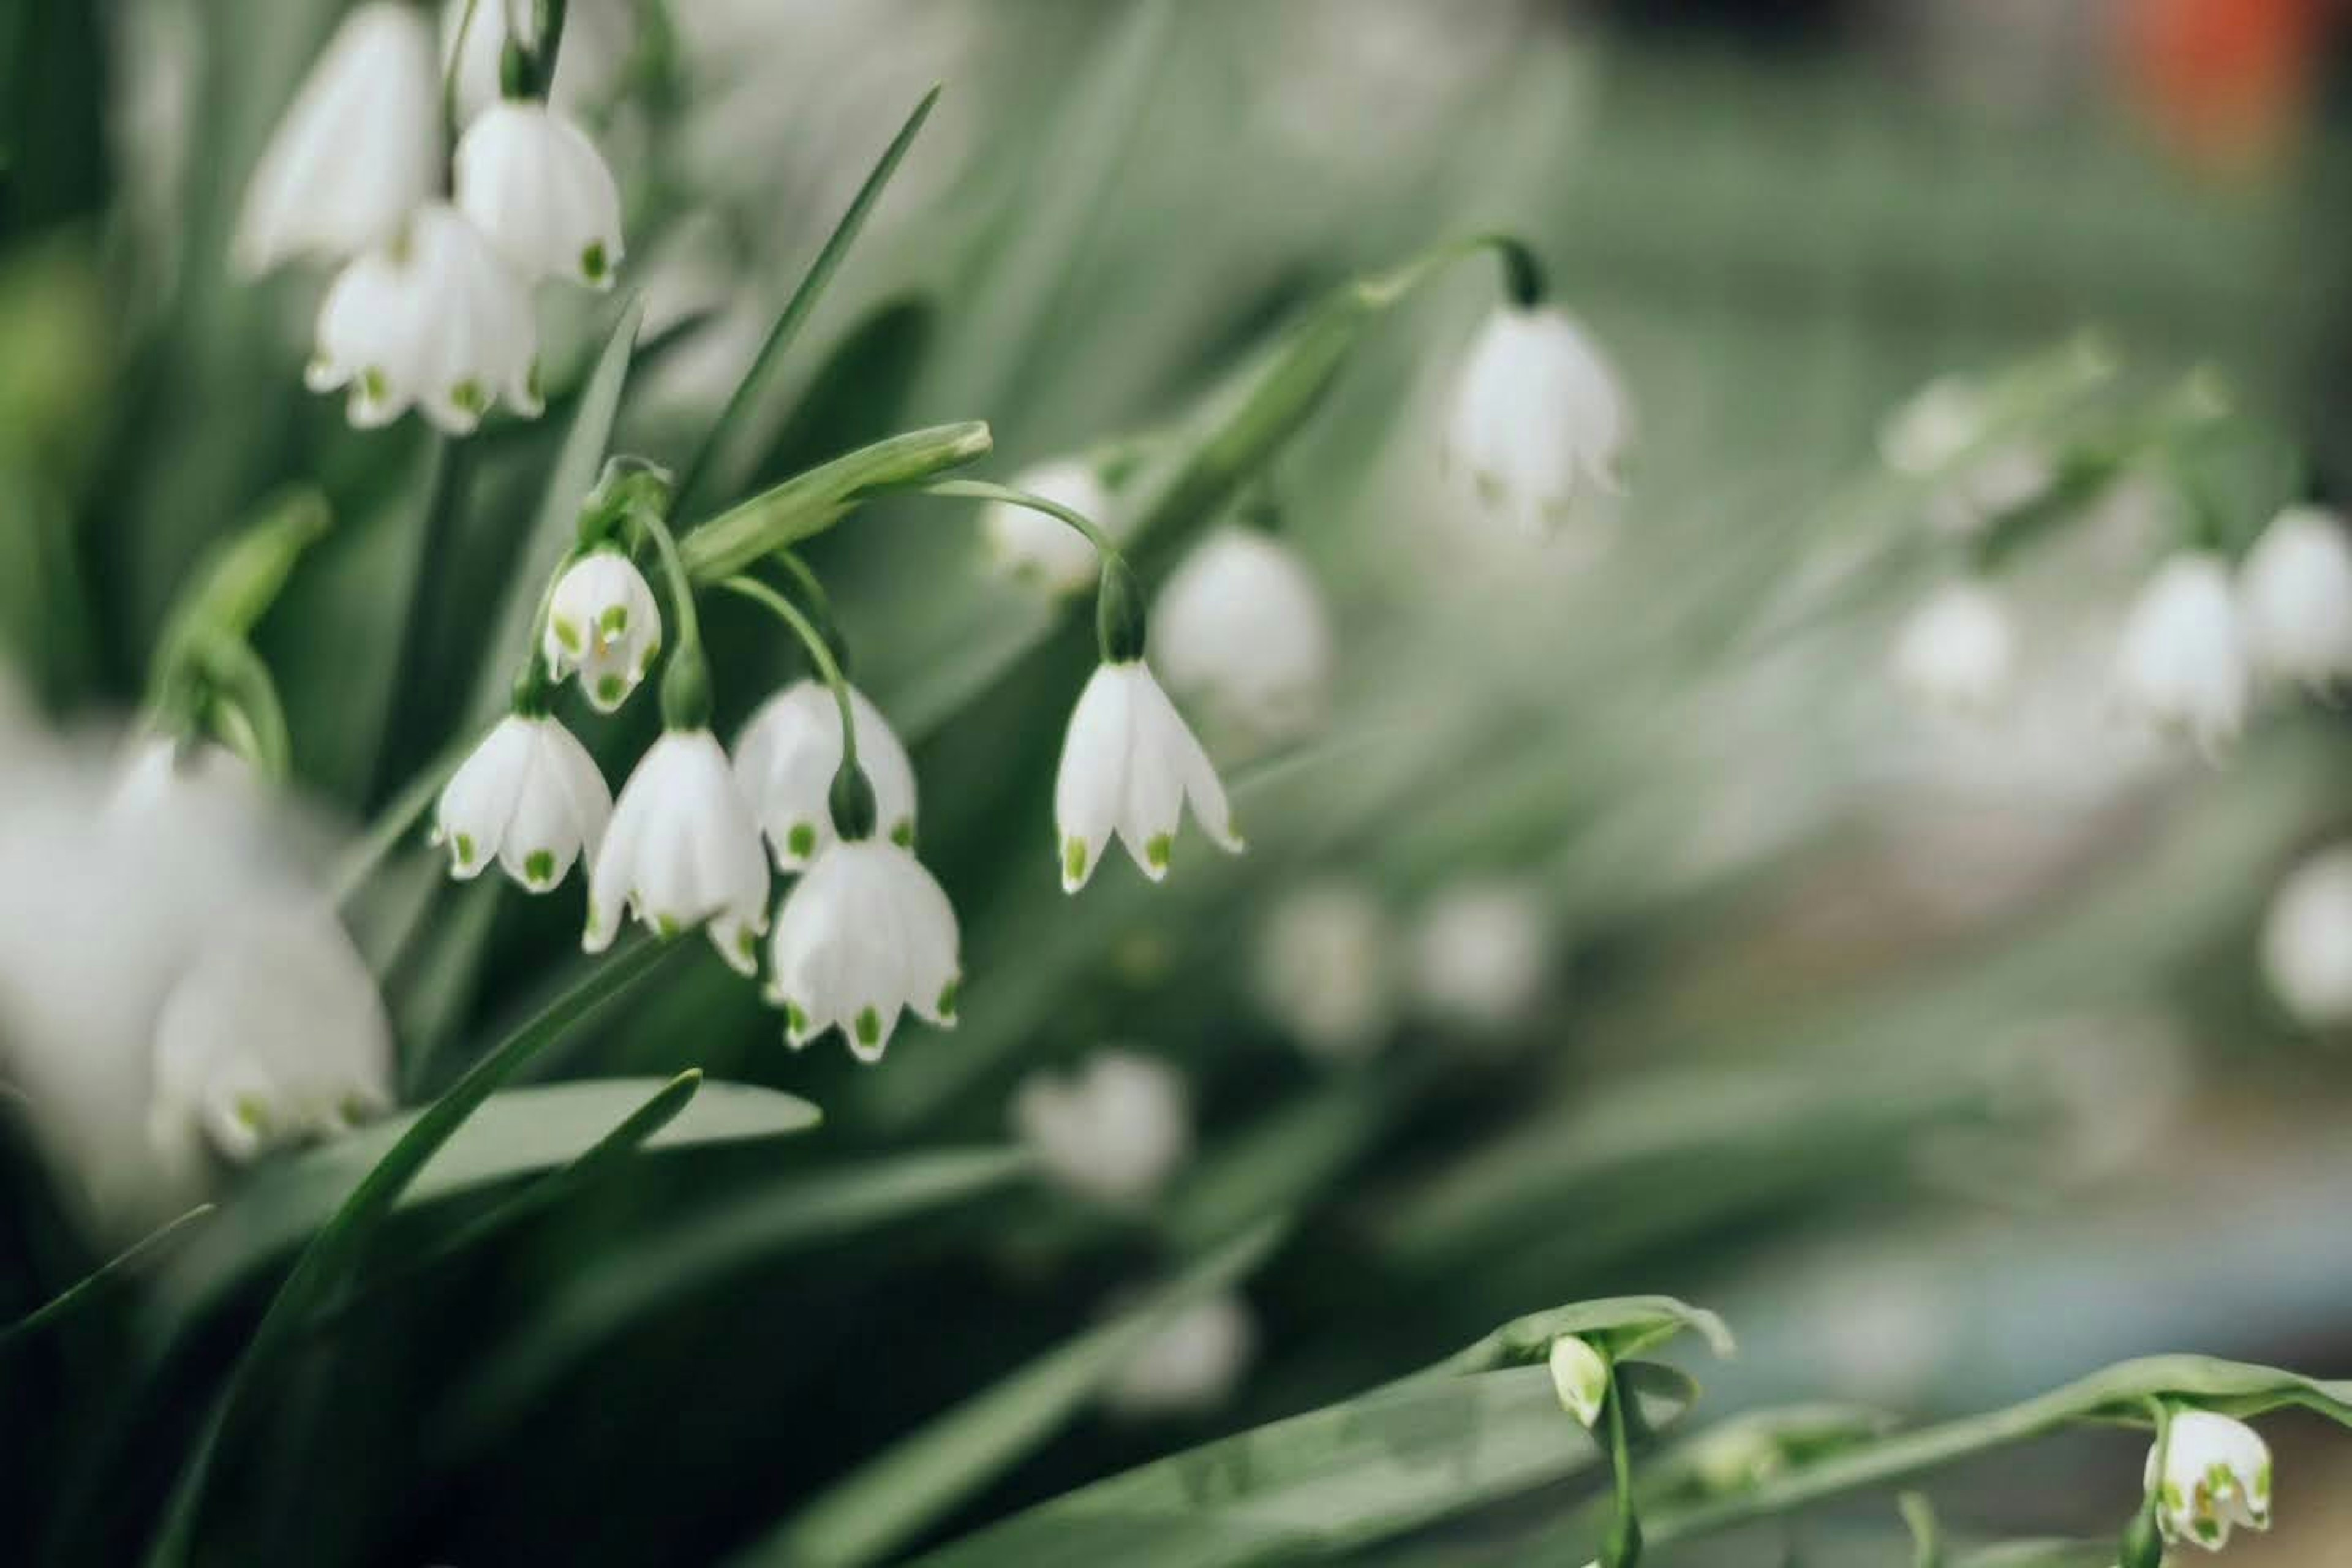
[{"x": 1622, "y": 927}]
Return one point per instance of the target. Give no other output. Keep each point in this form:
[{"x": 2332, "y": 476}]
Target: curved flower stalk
[
  {"x": 1241, "y": 627},
  {"x": 1037, "y": 548},
  {"x": 528, "y": 797}
]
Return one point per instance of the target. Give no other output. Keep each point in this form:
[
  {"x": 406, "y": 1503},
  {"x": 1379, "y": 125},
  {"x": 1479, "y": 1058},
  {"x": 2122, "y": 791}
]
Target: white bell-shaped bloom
[
  {"x": 2307, "y": 940},
  {"x": 537, "y": 189},
  {"x": 1189, "y": 1364},
  {"x": 434, "y": 319},
  {"x": 1241, "y": 627},
  {"x": 1481, "y": 952},
  {"x": 2294, "y": 596},
  {"x": 599, "y": 37},
  {"x": 2182, "y": 665},
  {"x": 681, "y": 851},
  {"x": 786, "y": 758},
  {"x": 1579, "y": 1377},
  {"x": 1930, "y": 429},
  {"x": 1130, "y": 764},
  {"x": 1113, "y": 1131},
  {"x": 530, "y": 797},
  {"x": 2216, "y": 1473},
  {"x": 1325, "y": 967},
  {"x": 864, "y": 935},
  {"x": 1036, "y": 548},
  {"x": 358, "y": 149},
  {"x": 1958, "y": 649},
  {"x": 603, "y": 621},
  {"x": 1541, "y": 421}
]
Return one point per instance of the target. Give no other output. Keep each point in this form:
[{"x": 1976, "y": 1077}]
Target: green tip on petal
[
  {"x": 665, "y": 926},
  {"x": 646, "y": 660},
  {"x": 1074, "y": 860},
  {"x": 794, "y": 1019},
  {"x": 567, "y": 634},
  {"x": 372, "y": 385},
  {"x": 869, "y": 1026},
  {"x": 949, "y": 994},
  {"x": 254, "y": 1113},
  {"x": 1158, "y": 850},
  {"x": 802, "y": 840},
  {"x": 468, "y": 395},
  {"x": 614, "y": 621},
  {"x": 611, "y": 688},
  {"x": 353, "y": 1110},
  {"x": 539, "y": 868},
  {"x": 902, "y": 833},
  {"x": 593, "y": 262},
  {"x": 747, "y": 942},
  {"x": 465, "y": 842}
]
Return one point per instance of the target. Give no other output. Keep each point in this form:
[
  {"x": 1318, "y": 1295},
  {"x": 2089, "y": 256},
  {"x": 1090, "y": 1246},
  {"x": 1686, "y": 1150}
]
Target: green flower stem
[
  {"x": 548, "y": 43},
  {"x": 686, "y": 685},
  {"x": 1119, "y": 605},
  {"x": 983, "y": 490},
  {"x": 449, "y": 126},
  {"x": 784, "y": 610},
  {"x": 1626, "y": 1533}
]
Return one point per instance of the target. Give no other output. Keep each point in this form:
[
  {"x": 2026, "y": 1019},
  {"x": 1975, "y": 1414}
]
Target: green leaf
[
  {"x": 1621, "y": 1327},
  {"x": 65, "y": 1302},
  {"x": 2040, "y": 1554}
]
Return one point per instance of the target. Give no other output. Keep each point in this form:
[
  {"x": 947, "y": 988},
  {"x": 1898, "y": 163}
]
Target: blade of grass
[{"x": 64, "y": 1303}]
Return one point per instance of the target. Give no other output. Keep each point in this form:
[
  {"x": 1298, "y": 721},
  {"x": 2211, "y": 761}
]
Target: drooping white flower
[
  {"x": 1241, "y": 627},
  {"x": 1189, "y": 1364},
  {"x": 1114, "y": 1131},
  {"x": 1325, "y": 968},
  {"x": 681, "y": 851},
  {"x": 786, "y": 758},
  {"x": 865, "y": 934},
  {"x": 2216, "y": 1474},
  {"x": 1931, "y": 428},
  {"x": 1130, "y": 764},
  {"x": 1481, "y": 953},
  {"x": 1541, "y": 421},
  {"x": 358, "y": 149},
  {"x": 1956, "y": 649},
  {"x": 1041, "y": 549},
  {"x": 1579, "y": 1377},
  {"x": 1929, "y": 434},
  {"x": 530, "y": 797},
  {"x": 2294, "y": 594},
  {"x": 431, "y": 317},
  {"x": 603, "y": 621},
  {"x": 2181, "y": 664},
  {"x": 537, "y": 189},
  {"x": 2307, "y": 940},
  {"x": 597, "y": 41}
]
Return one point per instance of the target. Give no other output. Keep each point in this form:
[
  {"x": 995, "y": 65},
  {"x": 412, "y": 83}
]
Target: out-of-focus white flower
[
  {"x": 1933, "y": 426},
  {"x": 359, "y": 148},
  {"x": 597, "y": 38},
  {"x": 603, "y": 621},
  {"x": 2216, "y": 1472},
  {"x": 1041, "y": 550},
  {"x": 1241, "y": 627},
  {"x": 530, "y": 797},
  {"x": 865, "y": 934},
  {"x": 2182, "y": 664},
  {"x": 431, "y": 317},
  {"x": 1189, "y": 1364},
  {"x": 1130, "y": 764},
  {"x": 1481, "y": 953},
  {"x": 1540, "y": 422},
  {"x": 540, "y": 193},
  {"x": 682, "y": 850},
  {"x": 2294, "y": 594},
  {"x": 1325, "y": 968},
  {"x": 1580, "y": 1377},
  {"x": 1113, "y": 1131},
  {"x": 1929, "y": 434},
  {"x": 2307, "y": 940},
  {"x": 1956, "y": 649},
  {"x": 786, "y": 758}
]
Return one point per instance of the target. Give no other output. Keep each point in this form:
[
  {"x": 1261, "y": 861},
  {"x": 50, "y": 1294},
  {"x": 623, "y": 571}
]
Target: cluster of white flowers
[{"x": 431, "y": 308}]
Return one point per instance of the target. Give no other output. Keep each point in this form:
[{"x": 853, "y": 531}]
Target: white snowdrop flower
[
  {"x": 603, "y": 621},
  {"x": 530, "y": 797},
  {"x": 1129, "y": 764},
  {"x": 1113, "y": 1131},
  {"x": 1579, "y": 1377},
  {"x": 2307, "y": 940},
  {"x": 2216, "y": 1473},
  {"x": 1932, "y": 427},
  {"x": 865, "y": 934},
  {"x": 2294, "y": 598},
  {"x": 2181, "y": 664},
  {"x": 358, "y": 149},
  {"x": 434, "y": 319},
  {"x": 1189, "y": 1364},
  {"x": 1958, "y": 649},
  {"x": 1540, "y": 422},
  {"x": 682, "y": 850},
  {"x": 1041, "y": 549},
  {"x": 537, "y": 189},
  {"x": 597, "y": 41},
  {"x": 1325, "y": 968},
  {"x": 1481, "y": 953},
  {"x": 786, "y": 758},
  {"x": 1241, "y": 627}
]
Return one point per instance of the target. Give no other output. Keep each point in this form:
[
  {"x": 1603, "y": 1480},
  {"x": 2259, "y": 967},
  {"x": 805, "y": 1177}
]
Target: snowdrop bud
[
  {"x": 2216, "y": 1472},
  {"x": 603, "y": 621},
  {"x": 864, "y": 935},
  {"x": 1188, "y": 1365},
  {"x": 431, "y": 317},
  {"x": 1581, "y": 1377},
  {"x": 1241, "y": 627},
  {"x": 358, "y": 149},
  {"x": 1540, "y": 422},
  {"x": 2294, "y": 594},
  {"x": 1044, "y": 550},
  {"x": 540, "y": 193},
  {"x": 682, "y": 850},
  {"x": 1481, "y": 953},
  {"x": 1324, "y": 969},
  {"x": 530, "y": 797},
  {"x": 786, "y": 758},
  {"x": 2182, "y": 665},
  {"x": 2307, "y": 940},
  {"x": 1955, "y": 650},
  {"x": 1114, "y": 1131},
  {"x": 1129, "y": 764}
]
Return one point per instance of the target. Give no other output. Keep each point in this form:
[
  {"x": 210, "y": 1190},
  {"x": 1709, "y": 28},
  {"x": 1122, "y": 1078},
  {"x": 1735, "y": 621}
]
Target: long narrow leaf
[{"x": 65, "y": 1302}]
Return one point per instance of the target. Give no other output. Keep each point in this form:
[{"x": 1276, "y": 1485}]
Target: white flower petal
[
  {"x": 2182, "y": 665},
  {"x": 864, "y": 935},
  {"x": 536, "y": 186},
  {"x": 682, "y": 851},
  {"x": 2294, "y": 594},
  {"x": 1241, "y": 627},
  {"x": 1541, "y": 421}
]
